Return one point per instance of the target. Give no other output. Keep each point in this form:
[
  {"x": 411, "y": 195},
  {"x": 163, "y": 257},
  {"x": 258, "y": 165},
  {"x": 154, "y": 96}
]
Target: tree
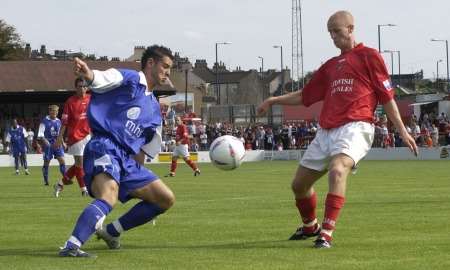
[{"x": 11, "y": 46}]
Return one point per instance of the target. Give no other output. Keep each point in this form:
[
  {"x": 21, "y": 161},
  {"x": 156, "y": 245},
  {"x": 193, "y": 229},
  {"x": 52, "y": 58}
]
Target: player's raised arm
[
  {"x": 294, "y": 98},
  {"x": 82, "y": 70}
]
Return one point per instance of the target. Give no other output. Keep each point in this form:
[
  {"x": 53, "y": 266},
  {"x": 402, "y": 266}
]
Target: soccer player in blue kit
[
  {"x": 125, "y": 120},
  {"x": 16, "y": 137},
  {"x": 47, "y": 135}
]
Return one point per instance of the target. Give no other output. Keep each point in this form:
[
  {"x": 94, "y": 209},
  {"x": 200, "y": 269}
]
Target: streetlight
[
  {"x": 392, "y": 60},
  {"x": 217, "y": 71},
  {"x": 398, "y": 58},
  {"x": 281, "y": 58},
  {"x": 379, "y": 34},
  {"x": 437, "y": 72},
  {"x": 186, "y": 67},
  {"x": 262, "y": 64},
  {"x": 281, "y": 54},
  {"x": 446, "y": 50}
]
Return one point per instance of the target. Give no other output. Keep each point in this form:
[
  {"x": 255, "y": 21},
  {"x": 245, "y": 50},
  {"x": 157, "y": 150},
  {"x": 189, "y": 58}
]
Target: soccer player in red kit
[
  {"x": 350, "y": 86},
  {"x": 75, "y": 124},
  {"x": 182, "y": 149}
]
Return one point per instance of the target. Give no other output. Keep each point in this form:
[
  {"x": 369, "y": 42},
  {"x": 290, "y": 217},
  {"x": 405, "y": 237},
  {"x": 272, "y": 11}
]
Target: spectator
[
  {"x": 269, "y": 139},
  {"x": 434, "y": 132},
  {"x": 260, "y": 134},
  {"x": 30, "y": 138},
  {"x": 203, "y": 141},
  {"x": 193, "y": 145},
  {"x": 170, "y": 117}
]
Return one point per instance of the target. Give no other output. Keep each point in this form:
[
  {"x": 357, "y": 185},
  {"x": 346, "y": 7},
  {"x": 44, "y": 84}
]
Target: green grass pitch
[{"x": 396, "y": 216}]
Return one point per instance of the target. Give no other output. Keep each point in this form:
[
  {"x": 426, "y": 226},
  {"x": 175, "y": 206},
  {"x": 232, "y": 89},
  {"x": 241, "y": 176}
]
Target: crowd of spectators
[
  {"x": 429, "y": 130},
  {"x": 254, "y": 137}
]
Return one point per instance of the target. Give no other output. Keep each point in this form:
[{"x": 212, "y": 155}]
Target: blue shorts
[
  {"x": 17, "y": 152},
  {"x": 50, "y": 152},
  {"x": 102, "y": 155}
]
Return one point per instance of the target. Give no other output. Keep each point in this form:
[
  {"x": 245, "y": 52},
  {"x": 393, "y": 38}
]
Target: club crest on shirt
[
  {"x": 340, "y": 64},
  {"x": 387, "y": 85},
  {"x": 133, "y": 113}
]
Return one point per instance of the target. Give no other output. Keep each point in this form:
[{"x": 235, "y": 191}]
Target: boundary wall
[{"x": 402, "y": 153}]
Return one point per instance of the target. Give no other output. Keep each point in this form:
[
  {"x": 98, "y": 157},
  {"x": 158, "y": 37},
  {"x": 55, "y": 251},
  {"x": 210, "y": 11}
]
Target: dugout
[{"x": 28, "y": 87}]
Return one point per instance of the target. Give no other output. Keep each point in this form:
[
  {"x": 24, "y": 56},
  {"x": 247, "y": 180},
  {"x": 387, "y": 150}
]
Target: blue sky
[{"x": 193, "y": 27}]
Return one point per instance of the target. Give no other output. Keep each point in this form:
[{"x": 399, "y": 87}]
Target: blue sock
[
  {"x": 62, "y": 169},
  {"x": 139, "y": 214},
  {"x": 92, "y": 217},
  {"x": 23, "y": 160},
  {"x": 16, "y": 162},
  {"x": 45, "y": 174}
]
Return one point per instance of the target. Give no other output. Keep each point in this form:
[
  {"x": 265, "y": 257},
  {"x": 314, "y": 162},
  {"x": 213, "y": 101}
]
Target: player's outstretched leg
[
  {"x": 139, "y": 214},
  {"x": 193, "y": 166},
  {"x": 156, "y": 199},
  {"x": 307, "y": 208},
  {"x": 89, "y": 221},
  {"x": 173, "y": 167},
  {"x": 80, "y": 179},
  {"x": 23, "y": 161},
  {"x": 45, "y": 174},
  {"x": 66, "y": 180},
  {"x": 16, "y": 164},
  {"x": 333, "y": 205}
]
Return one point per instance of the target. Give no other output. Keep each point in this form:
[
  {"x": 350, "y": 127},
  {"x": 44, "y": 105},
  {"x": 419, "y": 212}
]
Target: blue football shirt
[
  {"x": 16, "y": 136},
  {"x": 123, "y": 108},
  {"x": 49, "y": 129}
]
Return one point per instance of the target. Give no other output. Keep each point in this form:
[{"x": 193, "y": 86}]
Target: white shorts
[
  {"x": 181, "y": 151},
  {"x": 77, "y": 148},
  {"x": 353, "y": 139}
]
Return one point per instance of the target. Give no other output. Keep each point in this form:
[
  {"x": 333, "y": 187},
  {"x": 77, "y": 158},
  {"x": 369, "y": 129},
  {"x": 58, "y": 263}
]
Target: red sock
[
  {"x": 307, "y": 209},
  {"x": 173, "y": 166},
  {"x": 70, "y": 173},
  {"x": 191, "y": 164},
  {"x": 333, "y": 205},
  {"x": 80, "y": 177}
]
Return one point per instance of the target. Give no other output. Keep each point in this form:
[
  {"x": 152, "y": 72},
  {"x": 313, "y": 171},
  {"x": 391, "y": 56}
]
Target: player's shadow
[
  {"x": 23, "y": 252},
  {"x": 267, "y": 244},
  {"x": 52, "y": 252}
]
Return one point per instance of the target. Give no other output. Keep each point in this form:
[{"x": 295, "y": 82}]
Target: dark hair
[
  {"x": 157, "y": 53},
  {"x": 77, "y": 80}
]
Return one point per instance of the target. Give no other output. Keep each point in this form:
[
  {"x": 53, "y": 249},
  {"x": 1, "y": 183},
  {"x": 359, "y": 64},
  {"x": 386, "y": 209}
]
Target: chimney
[
  {"x": 200, "y": 63},
  {"x": 43, "y": 51},
  {"x": 27, "y": 50}
]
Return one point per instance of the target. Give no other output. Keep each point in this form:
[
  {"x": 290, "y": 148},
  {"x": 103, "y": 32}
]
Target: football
[{"x": 227, "y": 152}]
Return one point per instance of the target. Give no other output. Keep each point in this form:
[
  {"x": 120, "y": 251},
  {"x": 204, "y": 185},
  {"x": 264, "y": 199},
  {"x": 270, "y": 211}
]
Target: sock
[
  {"x": 191, "y": 164},
  {"x": 138, "y": 215},
  {"x": 16, "y": 163},
  {"x": 90, "y": 219},
  {"x": 333, "y": 205},
  {"x": 173, "y": 166},
  {"x": 45, "y": 174},
  {"x": 23, "y": 160},
  {"x": 70, "y": 173},
  {"x": 307, "y": 209},
  {"x": 80, "y": 177},
  {"x": 62, "y": 169}
]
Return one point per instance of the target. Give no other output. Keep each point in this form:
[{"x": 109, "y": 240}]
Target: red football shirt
[
  {"x": 351, "y": 85},
  {"x": 74, "y": 117},
  {"x": 182, "y": 134}
]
